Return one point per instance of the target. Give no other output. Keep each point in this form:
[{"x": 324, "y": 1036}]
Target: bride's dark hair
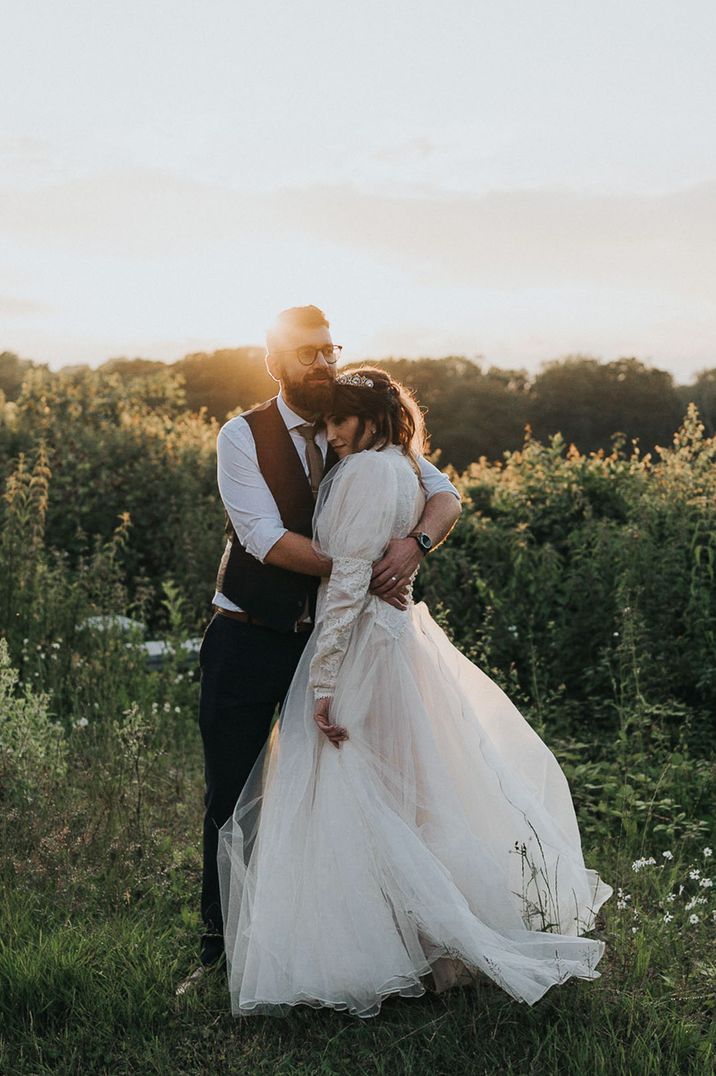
[{"x": 391, "y": 406}]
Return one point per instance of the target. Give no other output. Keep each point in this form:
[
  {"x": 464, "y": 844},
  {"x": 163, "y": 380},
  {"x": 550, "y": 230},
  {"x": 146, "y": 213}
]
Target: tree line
[{"x": 471, "y": 410}]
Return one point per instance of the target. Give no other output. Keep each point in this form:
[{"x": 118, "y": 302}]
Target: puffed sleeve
[{"x": 353, "y": 523}]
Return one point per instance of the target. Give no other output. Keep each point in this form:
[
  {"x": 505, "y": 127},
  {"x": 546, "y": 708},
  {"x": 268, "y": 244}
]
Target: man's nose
[{"x": 321, "y": 360}]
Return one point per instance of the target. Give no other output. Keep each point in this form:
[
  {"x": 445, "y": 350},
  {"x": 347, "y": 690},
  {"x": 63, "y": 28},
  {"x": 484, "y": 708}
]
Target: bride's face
[{"x": 344, "y": 436}]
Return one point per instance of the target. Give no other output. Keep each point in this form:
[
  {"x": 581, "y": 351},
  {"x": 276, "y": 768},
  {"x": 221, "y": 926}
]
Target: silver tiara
[{"x": 355, "y": 379}]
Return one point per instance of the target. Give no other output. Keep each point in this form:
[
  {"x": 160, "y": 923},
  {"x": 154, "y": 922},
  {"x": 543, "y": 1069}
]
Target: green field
[{"x": 583, "y": 584}]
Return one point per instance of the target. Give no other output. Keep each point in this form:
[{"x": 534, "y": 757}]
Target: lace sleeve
[
  {"x": 353, "y": 524},
  {"x": 346, "y": 589}
]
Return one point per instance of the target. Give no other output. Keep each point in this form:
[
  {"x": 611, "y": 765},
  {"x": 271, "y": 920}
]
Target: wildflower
[
  {"x": 668, "y": 917},
  {"x": 708, "y": 852},
  {"x": 167, "y": 707},
  {"x": 177, "y": 709},
  {"x": 81, "y": 723},
  {"x": 55, "y": 646},
  {"x": 694, "y": 875},
  {"x": 693, "y": 919},
  {"x": 54, "y": 657},
  {"x": 671, "y": 897},
  {"x": 615, "y": 634},
  {"x": 706, "y": 883},
  {"x": 634, "y": 930},
  {"x": 639, "y": 863},
  {"x": 668, "y": 855}
]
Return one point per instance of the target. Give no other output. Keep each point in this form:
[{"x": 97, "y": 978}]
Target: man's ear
[{"x": 272, "y": 366}]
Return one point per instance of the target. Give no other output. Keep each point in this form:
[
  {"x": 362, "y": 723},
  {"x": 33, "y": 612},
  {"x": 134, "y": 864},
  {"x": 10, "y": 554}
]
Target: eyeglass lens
[{"x": 308, "y": 355}]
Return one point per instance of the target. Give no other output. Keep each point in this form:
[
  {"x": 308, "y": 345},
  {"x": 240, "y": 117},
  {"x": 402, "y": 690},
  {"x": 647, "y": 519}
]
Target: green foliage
[
  {"x": 588, "y": 581},
  {"x": 116, "y": 449},
  {"x": 32, "y": 744},
  {"x": 582, "y": 583}
]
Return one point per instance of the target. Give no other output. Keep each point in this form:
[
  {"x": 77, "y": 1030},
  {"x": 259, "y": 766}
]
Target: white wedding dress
[{"x": 438, "y": 844}]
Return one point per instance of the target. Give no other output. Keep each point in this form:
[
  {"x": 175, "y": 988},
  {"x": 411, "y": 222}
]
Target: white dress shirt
[{"x": 247, "y": 498}]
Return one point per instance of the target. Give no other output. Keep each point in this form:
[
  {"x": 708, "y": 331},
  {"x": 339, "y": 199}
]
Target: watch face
[{"x": 425, "y": 541}]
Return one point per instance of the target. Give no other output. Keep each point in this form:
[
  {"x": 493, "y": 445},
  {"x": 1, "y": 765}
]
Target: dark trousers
[{"x": 245, "y": 674}]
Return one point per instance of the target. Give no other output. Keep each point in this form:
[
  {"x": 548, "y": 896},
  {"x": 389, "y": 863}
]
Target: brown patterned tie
[{"x": 314, "y": 456}]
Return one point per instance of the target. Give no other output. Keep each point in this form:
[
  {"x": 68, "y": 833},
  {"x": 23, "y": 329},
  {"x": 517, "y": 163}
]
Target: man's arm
[
  {"x": 252, "y": 509},
  {"x": 296, "y": 553},
  {"x": 392, "y": 574}
]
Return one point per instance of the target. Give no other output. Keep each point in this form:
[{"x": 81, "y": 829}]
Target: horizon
[{"x": 482, "y": 361}]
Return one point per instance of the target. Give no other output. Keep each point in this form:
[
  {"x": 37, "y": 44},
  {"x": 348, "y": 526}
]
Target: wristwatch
[{"x": 424, "y": 540}]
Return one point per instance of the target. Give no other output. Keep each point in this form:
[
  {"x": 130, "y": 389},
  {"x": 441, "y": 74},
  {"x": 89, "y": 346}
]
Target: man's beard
[{"x": 312, "y": 394}]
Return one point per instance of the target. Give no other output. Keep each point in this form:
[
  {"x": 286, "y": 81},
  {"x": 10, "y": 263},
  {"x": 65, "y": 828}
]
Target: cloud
[
  {"x": 12, "y": 307},
  {"x": 413, "y": 149},
  {"x": 509, "y": 239}
]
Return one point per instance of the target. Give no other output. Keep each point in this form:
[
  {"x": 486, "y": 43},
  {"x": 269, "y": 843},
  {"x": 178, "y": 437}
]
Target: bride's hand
[{"x": 321, "y": 715}]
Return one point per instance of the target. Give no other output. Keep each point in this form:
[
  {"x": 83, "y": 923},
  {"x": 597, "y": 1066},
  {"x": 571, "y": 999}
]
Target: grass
[{"x": 99, "y": 922}]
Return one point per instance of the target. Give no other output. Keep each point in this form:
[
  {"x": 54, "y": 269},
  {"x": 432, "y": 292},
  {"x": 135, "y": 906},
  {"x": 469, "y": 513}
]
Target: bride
[{"x": 404, "y": 826}]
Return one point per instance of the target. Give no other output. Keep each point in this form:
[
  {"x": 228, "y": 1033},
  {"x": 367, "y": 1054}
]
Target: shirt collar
[{"x": 291, "y": 419}]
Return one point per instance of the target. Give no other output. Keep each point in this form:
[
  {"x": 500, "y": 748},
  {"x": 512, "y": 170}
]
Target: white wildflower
[
  {"x": 639, "y": 863},
  {"x": 177, "y": 709},
  {"x": 55, "y": 646},
  {"x": 706, "y": 883},
  {"x": 668, "y": 855},
  {"x": 694, "y": 875},
  {"x": 693, "y": 919},
  {"x": 671, "y": 897},
  {"x": 708, "y": 852},
  {"x": 81, "y": 723},
  {"x": 668, "y": 917},
  {"x": 167, "y": 707}
]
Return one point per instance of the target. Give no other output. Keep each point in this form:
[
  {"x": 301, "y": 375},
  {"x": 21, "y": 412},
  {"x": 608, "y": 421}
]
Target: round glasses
[{"x": 307, "y": 355}]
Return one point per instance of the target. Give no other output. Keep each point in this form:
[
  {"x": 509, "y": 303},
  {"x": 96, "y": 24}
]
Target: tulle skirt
[{"x": 439, "y": 844}]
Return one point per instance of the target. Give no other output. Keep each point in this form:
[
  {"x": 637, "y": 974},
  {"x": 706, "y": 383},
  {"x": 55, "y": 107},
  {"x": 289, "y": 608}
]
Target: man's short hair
[{"x": 296, "y": 317}]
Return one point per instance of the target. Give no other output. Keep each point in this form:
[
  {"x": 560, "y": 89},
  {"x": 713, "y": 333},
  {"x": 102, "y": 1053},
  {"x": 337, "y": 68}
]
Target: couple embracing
[{"x": 401, "y": 827}]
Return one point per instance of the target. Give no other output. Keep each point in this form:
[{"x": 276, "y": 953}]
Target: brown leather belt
[{"x": 246, "y": 618}]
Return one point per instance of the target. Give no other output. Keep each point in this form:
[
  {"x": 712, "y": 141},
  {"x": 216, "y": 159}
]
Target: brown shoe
[{"x": 192, "y": 981}]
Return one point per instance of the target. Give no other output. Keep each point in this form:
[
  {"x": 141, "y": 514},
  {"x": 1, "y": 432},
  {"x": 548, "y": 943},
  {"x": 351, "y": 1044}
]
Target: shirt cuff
[{"x": 260, "y": 540}]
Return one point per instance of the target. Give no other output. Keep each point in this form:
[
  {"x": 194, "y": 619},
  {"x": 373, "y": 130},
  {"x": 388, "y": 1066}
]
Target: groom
[{"x": 270, "y": 461}]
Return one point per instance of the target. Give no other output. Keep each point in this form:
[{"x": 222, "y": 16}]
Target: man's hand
[
  {"x": 392, "y": 573},
  {"x": 321, "y": 715}
]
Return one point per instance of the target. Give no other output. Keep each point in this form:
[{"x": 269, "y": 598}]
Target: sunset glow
[{"x": 516, "y": 181}]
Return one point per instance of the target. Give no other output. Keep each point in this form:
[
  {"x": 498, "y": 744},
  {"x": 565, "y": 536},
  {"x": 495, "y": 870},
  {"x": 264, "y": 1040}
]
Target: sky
[{"x": 511, "y": 180}]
